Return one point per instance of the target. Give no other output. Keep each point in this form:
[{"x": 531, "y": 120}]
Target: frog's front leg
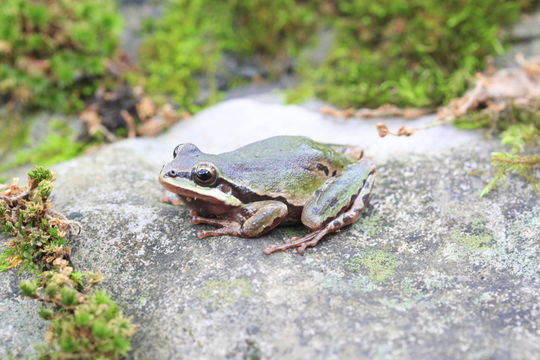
[
  {"x": 255, "y": 219},
  {"x": 176, "y": 201},
  {"x": 339, "y": 202}
]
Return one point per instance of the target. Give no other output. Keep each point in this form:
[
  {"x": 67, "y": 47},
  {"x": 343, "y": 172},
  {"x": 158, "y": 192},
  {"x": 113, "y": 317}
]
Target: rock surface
[
  {"x": 430, "y": 272},
  {"x": 525, "y": 40}
]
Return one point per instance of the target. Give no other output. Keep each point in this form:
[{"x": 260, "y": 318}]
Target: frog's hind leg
[
  {"x": 262, "y": 217},
  {"x": 344, "y": 217}
]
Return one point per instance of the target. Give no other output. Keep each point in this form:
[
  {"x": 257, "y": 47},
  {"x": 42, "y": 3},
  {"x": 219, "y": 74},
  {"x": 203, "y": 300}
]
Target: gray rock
[
  {"x": 21, "y": 329},
  {"x": 529, "y": 49},
  {"x": 134, "y": 13},
  {"x": 430, "y": 272},
  {"x": 527, "y": 28}
]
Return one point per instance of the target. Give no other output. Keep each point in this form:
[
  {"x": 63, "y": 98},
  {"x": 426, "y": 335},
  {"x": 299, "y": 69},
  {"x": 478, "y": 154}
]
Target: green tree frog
[{"x": 277, "y": 181}]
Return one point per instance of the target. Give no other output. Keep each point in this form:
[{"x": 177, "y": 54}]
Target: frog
[{"x": 281, "y": 180}]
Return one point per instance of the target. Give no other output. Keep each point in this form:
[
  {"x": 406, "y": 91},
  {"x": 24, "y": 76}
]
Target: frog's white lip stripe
[{"x": 187, "y": 188}]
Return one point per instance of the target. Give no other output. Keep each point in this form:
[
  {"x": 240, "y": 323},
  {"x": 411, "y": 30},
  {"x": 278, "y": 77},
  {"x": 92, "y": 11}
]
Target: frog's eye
[
  {"x": 204, "y": 174},
  {"x": 176, "y": 150}
]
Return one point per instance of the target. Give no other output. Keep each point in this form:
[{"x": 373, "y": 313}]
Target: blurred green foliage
[
  {"x": 52, "y": 52},
  {"x": 404, "y": 52},
  {"x": 409, "y": 52},
  {"x": 519, "y": 129},
  {"x": 188, "y": 43},
  {"x": 57, "y": 146}
]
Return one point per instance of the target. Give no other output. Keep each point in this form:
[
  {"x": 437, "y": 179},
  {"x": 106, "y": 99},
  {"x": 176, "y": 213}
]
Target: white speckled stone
[{"x": 430, "y": 272}]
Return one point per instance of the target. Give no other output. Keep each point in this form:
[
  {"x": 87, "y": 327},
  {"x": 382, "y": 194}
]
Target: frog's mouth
[{"x": 186, "y": 187}]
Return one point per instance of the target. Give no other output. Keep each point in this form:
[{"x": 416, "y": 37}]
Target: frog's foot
[
  {"x": 228, "y": 227},
  {"x": 311, "y": 239},
  {"x": 169, "y": 200},
  {"x": 232, "y": 228},
  {"x": 300, "y": 242}
]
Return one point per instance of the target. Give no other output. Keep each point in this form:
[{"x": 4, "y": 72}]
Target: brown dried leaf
[
  {"x": 130, "y": 123},
  {"x": 382, "y": 129},
  {"x": 342, "y": 114},
  {"x": 165, "y": 117},
  {"x": 494, "y": 90},
  {"x": 33, "y": 66},
  {"x": 386, "y": 110},
  {"x": 5, "y": 47},
  {"x": 152, "y": 126},
  {"x": 91, "y": 119},
  {"x": 145, "y": 108},
  {"x": 60, "y": 262},
  {"x": 13, "y": 262}
]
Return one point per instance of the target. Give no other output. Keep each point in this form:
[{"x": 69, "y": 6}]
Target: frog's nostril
[{"x": 171, "y": 173}]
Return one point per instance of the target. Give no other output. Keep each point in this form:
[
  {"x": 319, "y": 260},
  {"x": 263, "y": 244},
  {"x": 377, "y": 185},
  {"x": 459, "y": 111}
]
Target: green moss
[
  {"x": 188, "y": 43},
  {"x": 419, "y": 52},
  {"x": 224, "y": 291},
  {"x": 83, "y": 324},
  {"x": 379, "y": 264},
  {"x": 56, "y": 147},
  {"x": 518, "y": 128},
  {"x": 41, "y": 174},
  {"x": 370, "y": 225},
  {"x": 52, "y": 52},
  {"x": 508, "y": 163},
  {"x": 475, "y": 236},
  {"x": 476, "y": 242}
]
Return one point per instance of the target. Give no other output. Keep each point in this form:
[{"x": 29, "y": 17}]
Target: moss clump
[
  {"x": 517, "y": 124},
  {"x": 379, "y": 264},
  {"x": 84, "y": 324},
  {"x": 53, "y": 51},
  {"x": 519, "y": 135},
  {"x": 475, "y": 236},
  {"x": 419, "y": 52},
  {"x": 370, "y": 225}
]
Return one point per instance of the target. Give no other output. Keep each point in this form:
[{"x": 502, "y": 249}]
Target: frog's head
[{"x": 190, "y": 174}]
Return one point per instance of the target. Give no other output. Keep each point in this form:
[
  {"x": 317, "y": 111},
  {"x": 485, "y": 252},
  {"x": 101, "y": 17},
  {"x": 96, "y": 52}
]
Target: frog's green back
[{"x": 294, "y": 166}]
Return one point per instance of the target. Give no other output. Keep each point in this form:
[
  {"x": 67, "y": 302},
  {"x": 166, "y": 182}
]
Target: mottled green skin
[{"x": 336, "y": 194}]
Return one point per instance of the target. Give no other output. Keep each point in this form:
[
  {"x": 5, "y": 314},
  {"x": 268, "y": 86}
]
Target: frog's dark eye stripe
[{"x": 204, "y": 174}]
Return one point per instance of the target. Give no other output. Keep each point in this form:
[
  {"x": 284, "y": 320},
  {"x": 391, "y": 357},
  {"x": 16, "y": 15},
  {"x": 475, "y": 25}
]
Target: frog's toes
[
  {"x": 170, "y": 200},
  {"x": 302, "y": 248},
  {"x": 202, "y": 234},
  {"x": 269, "y": 250}
]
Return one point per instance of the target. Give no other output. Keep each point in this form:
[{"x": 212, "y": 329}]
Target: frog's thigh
[
  {"x": 350, "y": 215},
  {"x": 336, "y": 194},
  {"x": 267, "y": 215}
]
